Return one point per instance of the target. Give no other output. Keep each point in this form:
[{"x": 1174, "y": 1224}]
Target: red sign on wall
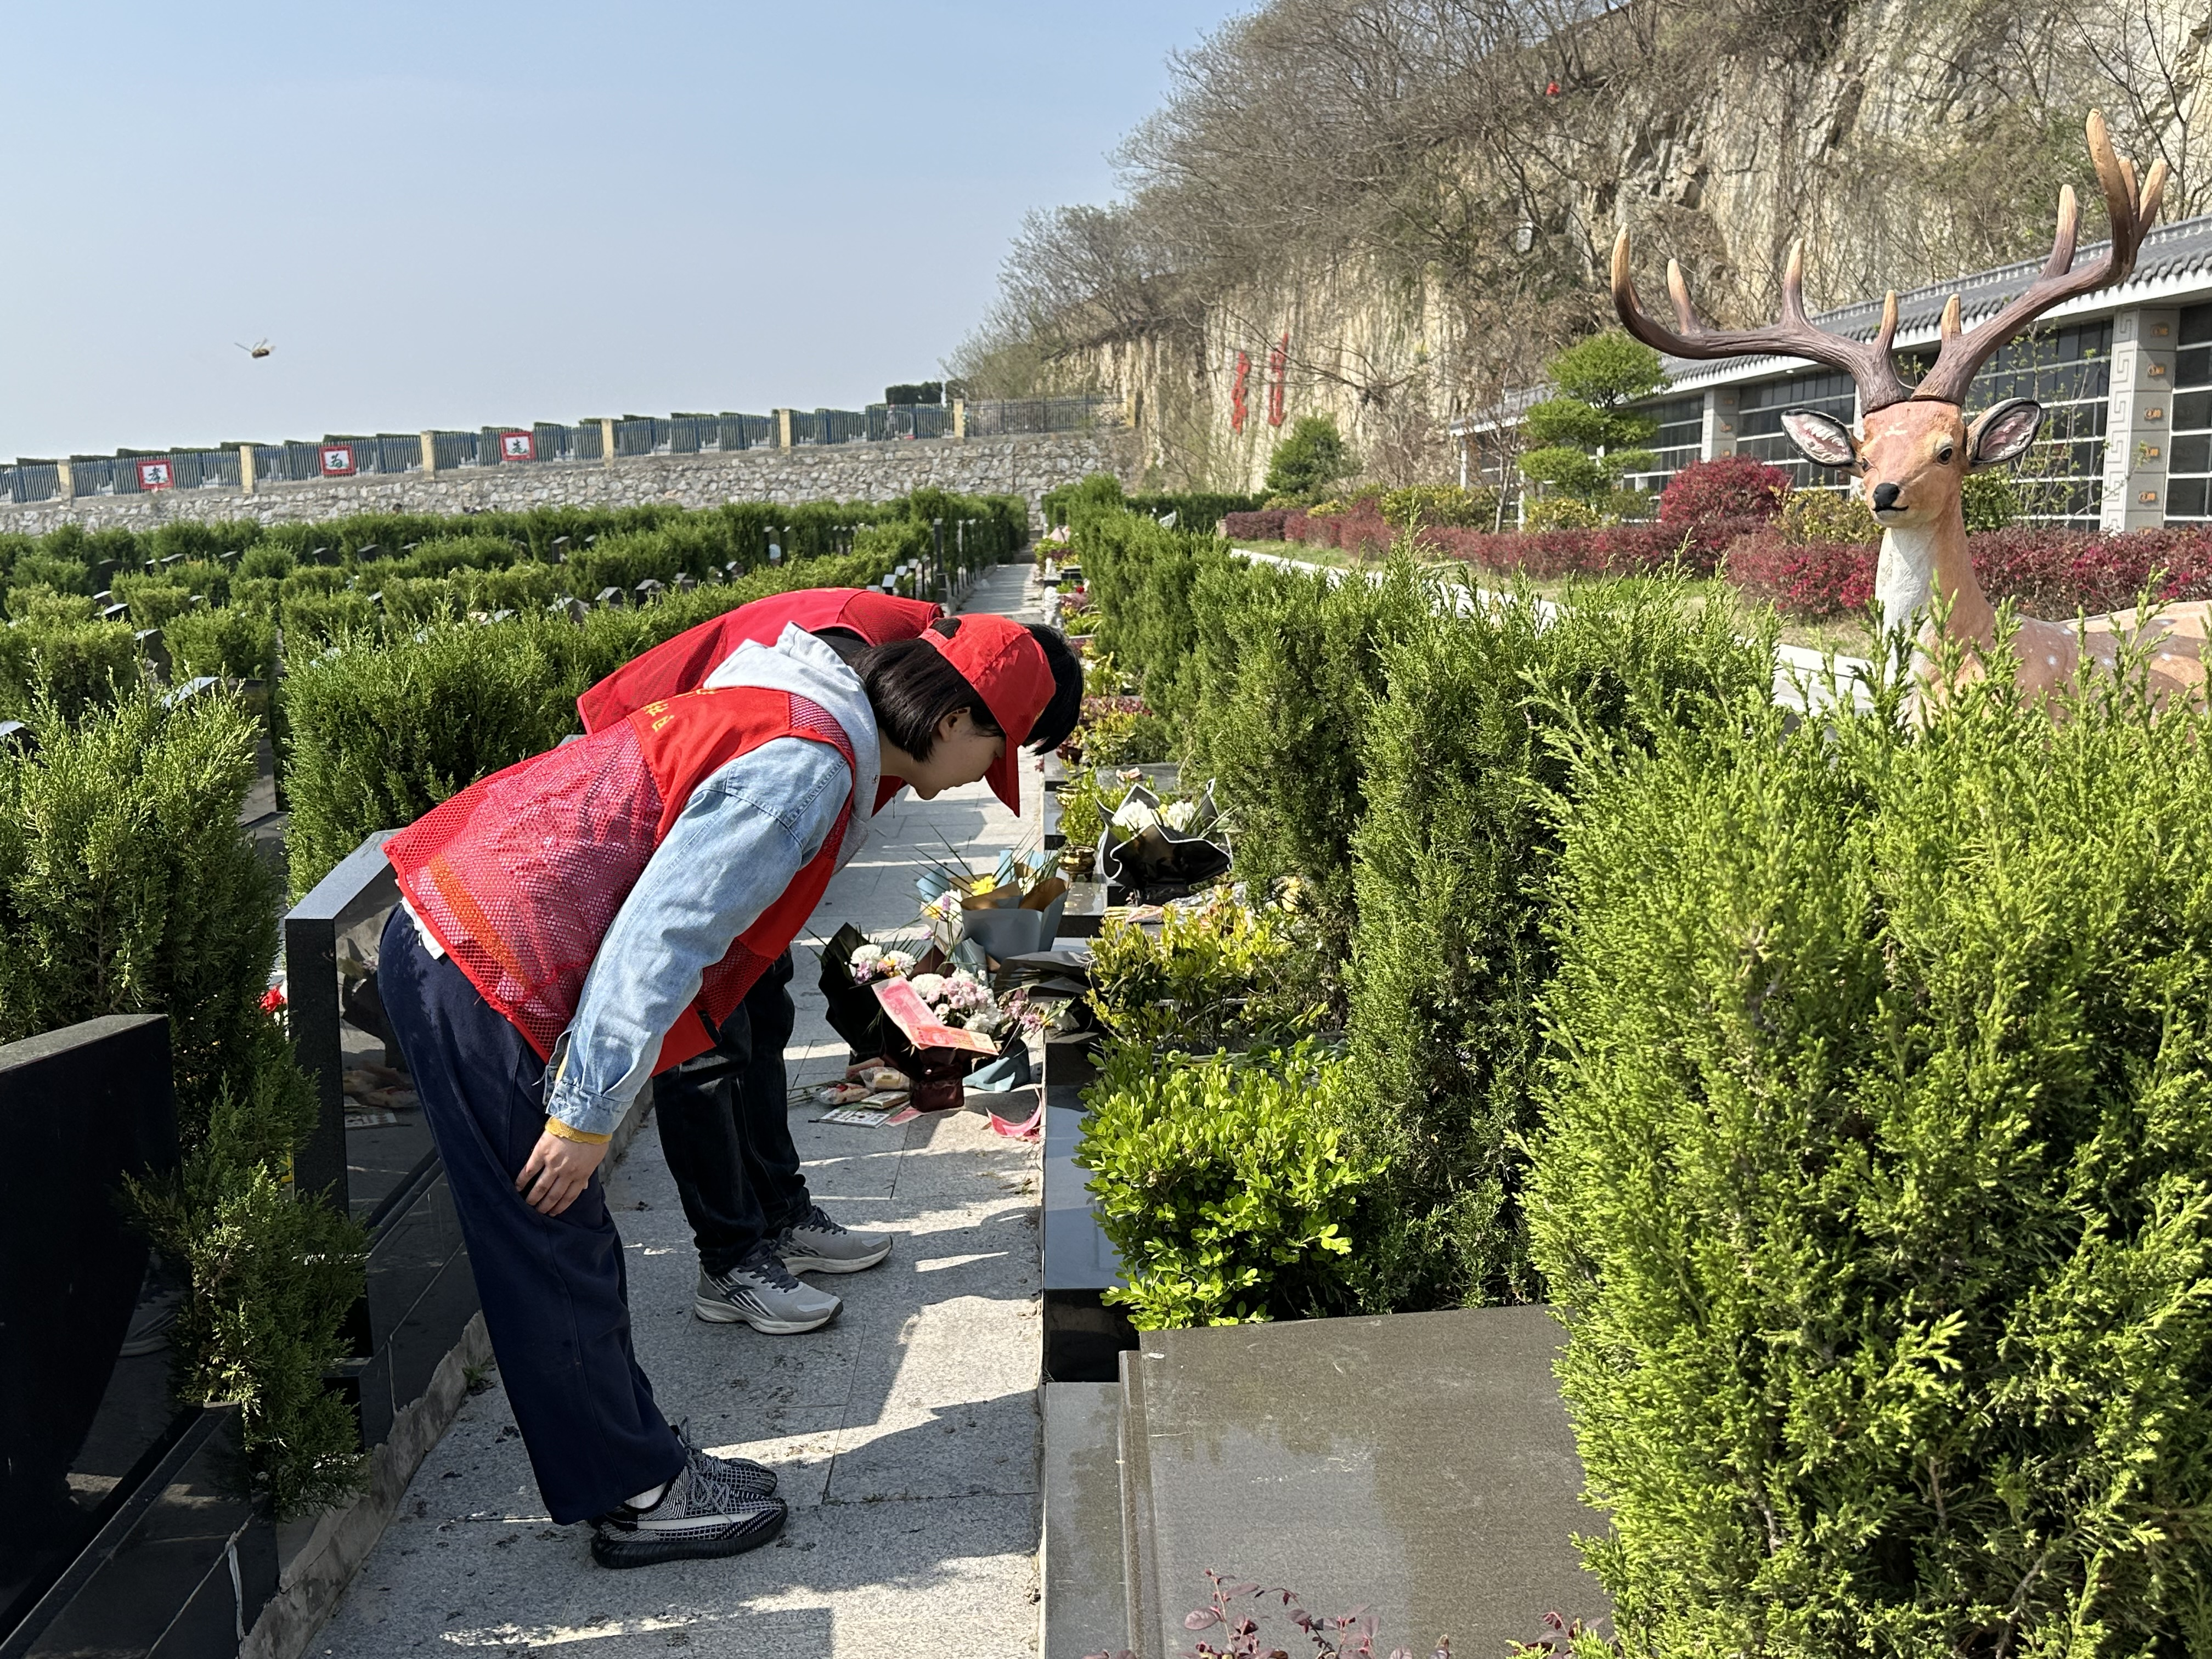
[
  {"x": 1278, "y": 366},
  {"x": 157, "y": 475},
  {"x": 1236, "y": 392},
  {"x": 518, "y": 446},
  {"x": 338, "y": 461}
]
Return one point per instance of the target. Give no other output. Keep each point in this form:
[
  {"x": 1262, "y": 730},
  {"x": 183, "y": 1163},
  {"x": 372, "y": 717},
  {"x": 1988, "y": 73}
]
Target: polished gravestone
[
  {"x": 381, "y": 1166},
  {"x": 1085, "y": 1606},
  {"x": 1083, "y": 1337},
  {"x": 1420, "y": 1464}
]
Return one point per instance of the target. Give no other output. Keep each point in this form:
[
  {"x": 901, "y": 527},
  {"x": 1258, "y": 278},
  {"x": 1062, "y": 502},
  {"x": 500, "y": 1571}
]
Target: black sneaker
[
  {"x": 743, "y": 1477},
  {"x": 704, "y": 1514}
]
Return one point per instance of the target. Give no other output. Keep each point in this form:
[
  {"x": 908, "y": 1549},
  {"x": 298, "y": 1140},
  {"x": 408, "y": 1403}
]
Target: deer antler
[
  {"x": 1867, "y": 361},
  {"x": 1962, "y": 354}
]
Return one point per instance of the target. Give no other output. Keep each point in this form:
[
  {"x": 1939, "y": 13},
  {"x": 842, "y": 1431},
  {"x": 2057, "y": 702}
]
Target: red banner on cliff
[
  {"x": 1279, "y": 362},
  {"x": 1236, "y": 392}
]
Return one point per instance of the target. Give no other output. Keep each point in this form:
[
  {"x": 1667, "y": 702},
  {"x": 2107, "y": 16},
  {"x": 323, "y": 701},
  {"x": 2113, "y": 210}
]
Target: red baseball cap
[{"x": 1007, "y": 667}]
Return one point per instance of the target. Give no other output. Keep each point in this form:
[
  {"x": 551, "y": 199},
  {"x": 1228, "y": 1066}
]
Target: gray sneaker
[
  {"x": 815, "y": 1244},
  {"x": 761, "y": 1292}
]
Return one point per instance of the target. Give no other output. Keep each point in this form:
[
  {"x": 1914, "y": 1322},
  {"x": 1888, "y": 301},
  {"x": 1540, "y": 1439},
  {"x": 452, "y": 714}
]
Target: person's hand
[{"x": 557, "y": 1171}]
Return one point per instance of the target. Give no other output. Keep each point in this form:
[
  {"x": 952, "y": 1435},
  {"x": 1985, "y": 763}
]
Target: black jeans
[{"x": 725, "y": 1128}]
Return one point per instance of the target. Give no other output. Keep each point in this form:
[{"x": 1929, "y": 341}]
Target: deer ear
[
  {"x": 2002, "y": 433},
  {"x": 1820, "y": 439}
]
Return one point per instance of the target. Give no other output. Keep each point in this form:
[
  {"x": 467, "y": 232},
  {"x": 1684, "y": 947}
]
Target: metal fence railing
[
  {"x": 1002, "y": 419},
  {"x": 131, "y": 472}
]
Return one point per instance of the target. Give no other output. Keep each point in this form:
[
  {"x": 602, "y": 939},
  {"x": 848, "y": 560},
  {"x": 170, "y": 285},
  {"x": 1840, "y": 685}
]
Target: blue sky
[{"x": 462, "y": 214}]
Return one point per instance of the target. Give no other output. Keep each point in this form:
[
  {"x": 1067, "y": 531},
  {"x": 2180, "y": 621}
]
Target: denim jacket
[{"x": 745, "y": 833}]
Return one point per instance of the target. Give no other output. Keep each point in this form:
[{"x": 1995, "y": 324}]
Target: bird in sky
[{"x": 258, "y": 349}]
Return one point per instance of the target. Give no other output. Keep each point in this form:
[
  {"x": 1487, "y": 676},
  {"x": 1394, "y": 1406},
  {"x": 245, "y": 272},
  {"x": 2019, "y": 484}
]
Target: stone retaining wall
[{"x": 1027, "y": 466}]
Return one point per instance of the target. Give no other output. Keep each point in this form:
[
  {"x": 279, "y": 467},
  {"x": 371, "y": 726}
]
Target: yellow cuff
[{"x": 561, "y": 1131}]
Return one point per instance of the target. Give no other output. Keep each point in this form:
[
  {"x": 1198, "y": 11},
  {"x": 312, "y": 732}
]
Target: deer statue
[{"x": 1915, "y": 448}]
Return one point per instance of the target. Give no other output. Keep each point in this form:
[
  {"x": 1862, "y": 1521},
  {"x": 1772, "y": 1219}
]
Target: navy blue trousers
[
  {"x": 725, "y": 1128},
  {"x": 554, "y": 1293}
]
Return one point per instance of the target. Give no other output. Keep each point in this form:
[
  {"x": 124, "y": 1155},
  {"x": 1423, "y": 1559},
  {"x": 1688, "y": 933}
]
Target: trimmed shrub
[
  {"x": 152, "y": 599},
  {"x": 1625, "y": 550},
  {"x": 73, "y": 665},
  {"x": 126, "y": 887},
  {"x": 1440, "y": 505},
  {"x": 1264, "y": 525},
  {"x": 1562, "y": 513},
  {"x": 1875, "y": 1185},
  {"x": 1828, "y": 515},
  {"x": 1223, "y": 1184},
  {"x": 1284, "y": 740},
  {"x": 1140, "y": 577},
  {"x": 1730, "y": 486},
  {"x": 312, "y": 621},
  {"x": 1097, "y": 492},
  {"x": 62, "y": 574},
  {"x": 237, "y": 642},
  {"x": 379, "y": 730},
  {"x": 42, "y": 604},
  {"x": 1455, "y": 882},
  {"x": 1227, "y": 971},
  {"x": 1809, "y": 579}
]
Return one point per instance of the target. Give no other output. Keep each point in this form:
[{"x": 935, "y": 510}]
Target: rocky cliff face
[{"x": 1904, "y": 140}]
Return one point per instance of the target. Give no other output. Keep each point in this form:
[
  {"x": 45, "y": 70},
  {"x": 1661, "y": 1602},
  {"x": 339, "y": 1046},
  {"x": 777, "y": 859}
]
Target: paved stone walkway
[{"x": 906, "y": 1432}]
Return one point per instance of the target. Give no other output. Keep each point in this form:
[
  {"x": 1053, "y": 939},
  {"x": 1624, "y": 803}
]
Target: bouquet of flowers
[
  {"x": 1162, "y": 849},
  {"x": 1009, "y": 910},
  {"x": 928, "y": 1013}
]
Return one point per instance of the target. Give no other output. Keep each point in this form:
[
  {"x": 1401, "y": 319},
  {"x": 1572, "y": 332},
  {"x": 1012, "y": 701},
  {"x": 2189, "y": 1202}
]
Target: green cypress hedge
[
  {"x": 72, "y": 665},
  {"x": 1455, "y": 879},
  {"x": 380, "y": 728},
  {"x": 237, "y": 642},
  {"x": 1877, "y": 1182},
  {"x": 126, "y": 887},
  {"x": 1285, "y": 739}
]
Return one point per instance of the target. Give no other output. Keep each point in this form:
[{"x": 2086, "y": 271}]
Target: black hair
[
  {"x": 849, "y": 646},
  {"x": 1066, "y": 708},
  {"x": 913, "y": 686}
]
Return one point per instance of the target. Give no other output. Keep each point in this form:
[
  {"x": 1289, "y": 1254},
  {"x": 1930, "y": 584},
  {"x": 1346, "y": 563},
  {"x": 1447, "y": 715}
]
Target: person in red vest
[
  {"x": 724, "y": 1117},
  {"x": 589, "y": 917}
]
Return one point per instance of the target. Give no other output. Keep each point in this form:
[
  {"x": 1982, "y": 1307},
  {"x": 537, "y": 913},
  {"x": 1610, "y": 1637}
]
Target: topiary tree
[
  {"x": 1311, "y": 459},
  {"x": 1585, "y": 438}
]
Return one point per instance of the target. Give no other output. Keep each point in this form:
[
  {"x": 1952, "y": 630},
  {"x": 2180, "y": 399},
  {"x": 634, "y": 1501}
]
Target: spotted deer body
[{"x": 1915, "y": 446}]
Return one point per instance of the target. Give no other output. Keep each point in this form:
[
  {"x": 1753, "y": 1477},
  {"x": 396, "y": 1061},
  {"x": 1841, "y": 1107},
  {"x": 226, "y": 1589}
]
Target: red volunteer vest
[
  {"x": 520, "y": 874},
  {"x": 674, "y": 666}
]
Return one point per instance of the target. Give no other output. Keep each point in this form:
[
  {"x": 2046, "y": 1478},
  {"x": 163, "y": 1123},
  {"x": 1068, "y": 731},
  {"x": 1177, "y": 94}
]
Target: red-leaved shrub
[
  {"x": 2048, "y": 571},
  {"x": 1802, "y": 579},
  {"x": 1620, "y": 550},
  {"x": 2054, "y": 573},
  {"x": 1731, "y": 487},
  {"x": 1265, "y": 525}
]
